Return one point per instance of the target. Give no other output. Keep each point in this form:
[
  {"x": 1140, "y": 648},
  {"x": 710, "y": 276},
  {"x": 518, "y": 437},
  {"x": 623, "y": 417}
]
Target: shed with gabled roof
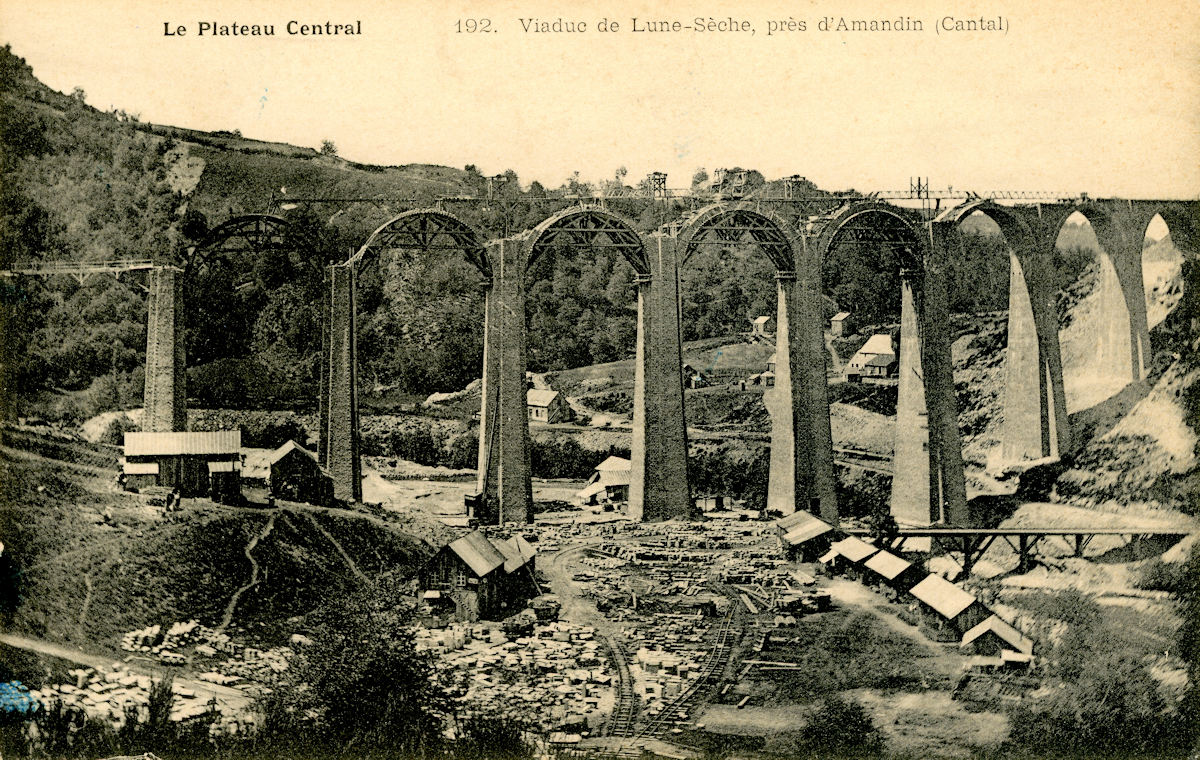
[
  {"x": 946, "y": 607},
  {"x": 854, "y": 549},
  {"x": 480, "y": 578},
  {"x": 547, "y": 405},
  {"x": 993, "y": 636}
]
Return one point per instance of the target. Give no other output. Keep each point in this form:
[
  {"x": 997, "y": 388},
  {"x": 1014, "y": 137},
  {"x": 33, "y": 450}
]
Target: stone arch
[
  {"x": 427, "y": 229},
  {"x": 928, "y": 484},
  {"x": 1016, "y": 231},
  {"x": 589, "y": 226},
  {"x": 419, "y": 230},
  {"x": 1035, "y": 423},
  {"x": 1123, "y": 350},
  {"x": 801, "y": 471}
]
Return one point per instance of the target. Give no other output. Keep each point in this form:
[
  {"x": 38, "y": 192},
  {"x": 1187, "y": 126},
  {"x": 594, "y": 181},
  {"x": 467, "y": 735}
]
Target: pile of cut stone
[
  {"x": 554, "y": 678},
  {"x": 106, "y": 695}
]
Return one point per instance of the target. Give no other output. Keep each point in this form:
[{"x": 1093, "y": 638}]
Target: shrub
[
  {"x": 1112, "y": 708},
  {"x": 840, "y": 728},
  {"x": 1157, "y": 575}
]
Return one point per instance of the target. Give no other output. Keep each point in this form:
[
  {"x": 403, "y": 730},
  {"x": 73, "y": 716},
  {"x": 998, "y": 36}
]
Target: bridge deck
[{"x": 959, "y": 532}]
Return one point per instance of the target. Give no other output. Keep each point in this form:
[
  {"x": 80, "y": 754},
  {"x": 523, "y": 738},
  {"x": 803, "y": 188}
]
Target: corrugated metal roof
[
  {"x": 888, "y": 565},
  {"x": 615, "y": 463},
  {"x": 140, "y": 468},
  {"x": 944, "y": 597},
  {"x": 807, "y": 532},
  {"x": 854, "y": 549},
  {"x": 840, "y": 316},
  {"x": 1006, "y": 632},
  {"x": 177, "y": 444},
  {"x": 479, "y": 553},
  {"x": 539, "y": 397}
]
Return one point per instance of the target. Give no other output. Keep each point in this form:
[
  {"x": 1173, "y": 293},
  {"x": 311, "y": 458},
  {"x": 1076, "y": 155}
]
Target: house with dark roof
[
  {"x": 877, "y": 360},
  {"x": 289, "y": 472},
  {"x": 475, "y": 578}
]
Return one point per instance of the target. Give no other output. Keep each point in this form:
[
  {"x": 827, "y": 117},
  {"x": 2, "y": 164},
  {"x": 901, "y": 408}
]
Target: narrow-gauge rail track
[
  {"x": 625, "y": 710},
  {"x": 713, "y": 666}
]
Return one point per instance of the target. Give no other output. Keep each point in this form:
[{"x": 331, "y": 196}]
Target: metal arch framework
[
  {"x": 248, "y": 233},
  {"x": 723, "y": 224},
  {"x": 877, "y": 224},
  {"x": 590, "y": 227},
  {"x": 1015, "y": 230},
  {"x": 425, "y": 230}
]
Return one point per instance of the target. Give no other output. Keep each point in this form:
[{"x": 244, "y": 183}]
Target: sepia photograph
[{"x": 627, "y": 380}]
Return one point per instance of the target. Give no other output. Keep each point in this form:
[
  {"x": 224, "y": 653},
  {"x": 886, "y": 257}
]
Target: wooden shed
[
  {"x": 198, "y": 464},
  {"x": 946, "y": 609},
  {"x": 475, "y": 578}
]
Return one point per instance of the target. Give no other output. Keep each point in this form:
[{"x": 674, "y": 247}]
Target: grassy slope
[{"x": 145, "y": 569}]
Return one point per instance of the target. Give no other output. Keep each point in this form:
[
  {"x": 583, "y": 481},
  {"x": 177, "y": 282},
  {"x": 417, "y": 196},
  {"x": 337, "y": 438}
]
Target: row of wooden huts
[{"x": 947, "y": 610}]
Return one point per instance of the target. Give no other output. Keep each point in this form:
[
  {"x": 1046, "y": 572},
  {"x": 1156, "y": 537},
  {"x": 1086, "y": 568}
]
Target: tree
[
  {"x": 839, "y": 728},
  {"x": 361, "y": 689},
  {"x": 487, "y": 737},
  {"x": 328, "y": 148}
]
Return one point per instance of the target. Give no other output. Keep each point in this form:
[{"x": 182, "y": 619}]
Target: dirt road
[{"x": 231, "y": 701}]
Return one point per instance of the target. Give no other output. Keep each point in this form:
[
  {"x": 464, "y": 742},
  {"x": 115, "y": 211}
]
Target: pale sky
[{"x": 1099, "y": 96}]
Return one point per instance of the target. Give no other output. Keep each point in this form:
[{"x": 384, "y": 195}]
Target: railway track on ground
[
  {"x": 621, "y": 724},
  {"x": 713, "y": 667}
]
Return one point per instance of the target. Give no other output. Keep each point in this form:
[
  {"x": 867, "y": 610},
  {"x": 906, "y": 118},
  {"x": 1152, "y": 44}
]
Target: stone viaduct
[{"x": 928, "y": 485}]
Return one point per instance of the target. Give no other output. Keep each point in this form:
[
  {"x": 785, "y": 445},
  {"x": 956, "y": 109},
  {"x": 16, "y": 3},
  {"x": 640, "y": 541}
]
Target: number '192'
[{"x": 473, "y": 25}]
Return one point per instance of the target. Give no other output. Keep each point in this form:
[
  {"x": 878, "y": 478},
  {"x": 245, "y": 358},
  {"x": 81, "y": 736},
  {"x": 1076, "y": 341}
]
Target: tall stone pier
[
  {"x": 515, "y": 491},
  {"x": 928, "y": 483},
  {"x": 911, "y": 503},
  {"x": 165, "y": 396},
  {"x": 1123, "y": 342},
  {"x": 487, "y": 479},
  {"x": 1035, "y": 402},
  {"x": 659, "y": 488},
  {"x": 947, "y": 481},
  {"x": 801, "y": 474},
  {"x": 339, "y": 436},
  {"x": 505, "y": 489}
]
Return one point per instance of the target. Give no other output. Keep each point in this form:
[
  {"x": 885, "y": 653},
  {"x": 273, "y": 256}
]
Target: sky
[{"x": 1089, "y": 96}]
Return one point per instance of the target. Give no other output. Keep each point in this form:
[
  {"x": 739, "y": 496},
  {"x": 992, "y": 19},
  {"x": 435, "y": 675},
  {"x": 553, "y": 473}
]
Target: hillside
[{"x": 95, "y": 562}]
